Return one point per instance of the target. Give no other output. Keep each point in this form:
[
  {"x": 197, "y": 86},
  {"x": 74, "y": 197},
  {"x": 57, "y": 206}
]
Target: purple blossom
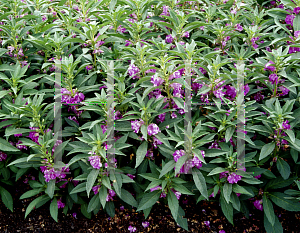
[
  {"x": 207, "y": 223},
  {"x": 3, "y": 156},
  {"x": 222, "y": 231},
  {"x": 156, "y": 142},
  {"x": 177, "y": 194},
  {"x": 96, "y": 189},
  {"x": 239, "y": 27},
  {"x": 258, "y": 204},
  {"x": 153, "y": 129},
  {"x": 95, "y": 161},
  {"x": 296, "y": 10},
  {"x": 157, "y": 81},
  {"x": 127, "y": 43},
  {"x": 258, "y": 96},
  {"x": 60, "y": 204},
  {"x": 169, "y": 39},
  {"x": 269, "y": 67},
  {"x": 233, "y": 178},
  {"x": 51, "y": 174},
  {"x": 297, "y": 33},
  {"x": 135, "y": 125},
  {"x": 246, "y": 89},
  {"x": 89, "y": 67},
  {"x": 131, "y": 228},
  {"x": 145, "y": 224},
  {"x": 132, "y": 70},
  {"x": 21, "y": 147},
  {"x": 285, "y": 125},
  {"x": 186, "y": 34},
  {"x": 289, "y": 19},
  {"x": 284, "y": 90},
  {"x": 74, "y": 215},
  {"x": 273, "y": 78}
]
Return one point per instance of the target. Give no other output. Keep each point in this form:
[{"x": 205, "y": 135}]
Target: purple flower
[
  {"x": 73, "y": 118},
  {"x": 177, "y": 194},
  {"x": 153, "y": 129},
  {"x": 51, "y": 174},
  {"x": 145, "y": 224},
  {"x": 21, "y": 147},
  {"x": 186, "y": 34},
  {"x": 246, "y": 89},
  {"x": 169, "y": 39},
  {"x": 273, "y": 78},
  {"x": 207, "y": 223},
  {"x": 269, "y": 67},
  {"x": 218, "y": 93},
  {"x": 296, "y": 10},
  {"x": 157, "y": 81},
  {"x": 96, "y": 189},
  {"x": 3, "y": 156},
  {"x": 127, "y": 43},
  {"x": 284, "y": 90},
  {"x": 258, "y": 204},
  {"x": 177, "y": 154},
  {"x": 132, "y": 70},
  {"x": 297, "y": 33},
  {"x": 231, "y": 91},
  {"x": 131, "y": 228},
  {"x": 89, "y": 67},
  {"x": 75, "y": 215},
  {"x": 289, "y": 19},
  {"x": 60, "y": 204},
  {"x": 222, "y": 231},
  {"x": 285, "y": 125},
  {"x": 239, "y": 27},
  {"x": 156, "y": 142},
  {"x": 135, "y": 125},
  {"x": 233, "y": 178},
  {"x": 95, "y": 161},
  {"x": 258, "y": 96}
]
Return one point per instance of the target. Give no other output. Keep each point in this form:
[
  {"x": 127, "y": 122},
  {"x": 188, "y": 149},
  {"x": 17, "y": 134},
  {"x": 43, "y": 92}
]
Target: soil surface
[{"x": 160, "y": 218}]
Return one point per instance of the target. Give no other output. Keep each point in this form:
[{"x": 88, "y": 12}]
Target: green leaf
[
  {"x": 200, "y": 182},
  {"x": 128, "y": 198},
  {"x": 103, "y": 195},
  {"x": 6, "y": 146},
  {"x": 276, "y": 228},
  {"x": 50, "y": 188},
  {"x": 149, "y": 199},
  {"x": 91, "y": 180},
  {"x": 144, "y": 131},
  {"x": 168, "y": 167},
  {"x": 291, "y": 134},
  {"x": 216, "y": 170},
  {"x": 287, "y": 204},
  {"x": 7, "y": 199},
  {"x": 235, "y": 201},
  {"x": 296, "y": 23},
  {"x": 34, "y": 203},
  {"x": 54, "y": 209},
  {"x": 110, "y": 208},
  {"x": 227, "y": 209},
  {"x": 240, "y": 189},
  {"x": 229, "y": 132},
  {"x": 283, "y": 168},
  {"x": 173, "y": 204},
  {"x": 227, "y": 190},
  {"x": 278, "y": 183},
  {"x": 30, "y": 193},
  {"x": 93, "y": 203},
  {"x": 268, "y": 209},
  {"x": 266, "y": 150},
  {"x": 140, "y": 153},
  {"x": 182, "y": 189},
  {"x": 83, "y": 209}
]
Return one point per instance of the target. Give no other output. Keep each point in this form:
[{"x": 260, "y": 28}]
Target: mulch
[{"x": 160, "y": 218}]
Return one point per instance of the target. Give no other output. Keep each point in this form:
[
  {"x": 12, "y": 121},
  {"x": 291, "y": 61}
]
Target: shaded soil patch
[{"x": 160, "y": 219}]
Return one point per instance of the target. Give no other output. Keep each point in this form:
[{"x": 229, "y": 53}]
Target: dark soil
[{"x": 39, "y": 220}]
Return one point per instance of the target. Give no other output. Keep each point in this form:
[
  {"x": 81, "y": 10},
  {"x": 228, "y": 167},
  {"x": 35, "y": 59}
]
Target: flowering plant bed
[{"x": 143, "y": 102}]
